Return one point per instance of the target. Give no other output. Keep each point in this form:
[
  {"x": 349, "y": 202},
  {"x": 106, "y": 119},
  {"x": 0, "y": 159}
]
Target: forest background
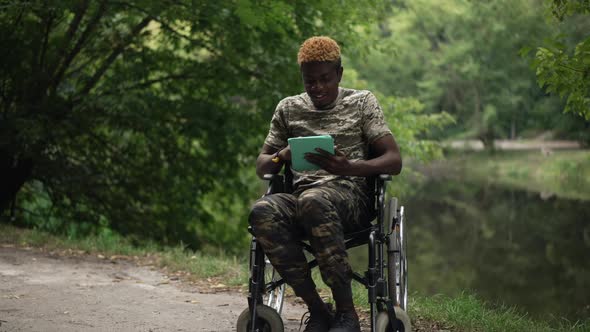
[{"x": 144, "y": 118}]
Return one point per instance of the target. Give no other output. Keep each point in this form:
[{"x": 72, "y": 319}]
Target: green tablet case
[{"x": 302, "y": 145}]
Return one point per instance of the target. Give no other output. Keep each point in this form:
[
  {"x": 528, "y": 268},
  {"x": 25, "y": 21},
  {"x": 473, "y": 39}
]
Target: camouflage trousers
[{"x": 322, "y": 215}]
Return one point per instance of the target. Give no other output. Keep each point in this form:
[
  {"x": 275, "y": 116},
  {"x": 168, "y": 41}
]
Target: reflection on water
[{"x": 507, "y": 246}]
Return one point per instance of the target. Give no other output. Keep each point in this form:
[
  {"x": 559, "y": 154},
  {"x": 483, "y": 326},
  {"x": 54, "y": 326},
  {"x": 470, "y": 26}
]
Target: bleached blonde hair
[{"x": 318, "y": 48}]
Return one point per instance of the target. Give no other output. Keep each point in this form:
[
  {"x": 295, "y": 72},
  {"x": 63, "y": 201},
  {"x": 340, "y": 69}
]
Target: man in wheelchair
[{"x": 328, "y": 203}]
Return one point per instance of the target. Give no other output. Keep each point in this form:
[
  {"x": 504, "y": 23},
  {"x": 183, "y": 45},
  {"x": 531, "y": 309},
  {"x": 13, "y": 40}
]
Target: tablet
[{"x": 302, "y": 145}]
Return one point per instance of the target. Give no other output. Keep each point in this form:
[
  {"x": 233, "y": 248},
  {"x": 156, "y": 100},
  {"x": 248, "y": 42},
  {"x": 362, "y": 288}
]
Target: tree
[
  {"x": 561, "y": 71},
  {"x": 462, "y": 57},
  {"x": 124, "y": 114}
]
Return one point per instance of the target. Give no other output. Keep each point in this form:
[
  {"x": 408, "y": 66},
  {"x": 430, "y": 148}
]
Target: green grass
[
  {"x": 466, "y": 312},
  {"x": 232, "y": 270},
  {"x": 562, "y": 173},
  {"x": 461, "y": 313},
  {"x": 197, "y": 265}
]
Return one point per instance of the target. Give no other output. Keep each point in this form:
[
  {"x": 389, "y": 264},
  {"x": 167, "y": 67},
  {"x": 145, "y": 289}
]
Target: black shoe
[
  {"x": 318, "y": 321},
  {"x": 346, "y": 321}
]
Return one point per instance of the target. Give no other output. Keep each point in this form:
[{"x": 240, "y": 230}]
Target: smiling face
[{"x": 321, "y": 80}]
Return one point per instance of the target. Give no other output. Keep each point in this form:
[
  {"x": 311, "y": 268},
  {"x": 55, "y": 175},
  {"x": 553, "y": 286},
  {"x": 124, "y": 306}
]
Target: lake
[{"x": 511, "y": 247}]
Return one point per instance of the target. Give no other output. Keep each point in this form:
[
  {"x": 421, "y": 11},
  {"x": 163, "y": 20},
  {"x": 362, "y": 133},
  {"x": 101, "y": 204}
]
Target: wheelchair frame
[{"x": 387, "y": 294}]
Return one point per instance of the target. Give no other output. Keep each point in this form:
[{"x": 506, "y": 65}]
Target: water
[{"x": 507, "y": 246}]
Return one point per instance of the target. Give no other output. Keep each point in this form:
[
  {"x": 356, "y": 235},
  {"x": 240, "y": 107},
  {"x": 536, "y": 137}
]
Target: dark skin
[{"x": 321, "y": 80}]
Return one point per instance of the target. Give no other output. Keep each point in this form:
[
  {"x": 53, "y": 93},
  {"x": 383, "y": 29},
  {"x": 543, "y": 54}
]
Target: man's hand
[
  {"x": 265, "y": 163},
  {"x": 285, "y": 153},
  {"x": 336, "y": 163}
]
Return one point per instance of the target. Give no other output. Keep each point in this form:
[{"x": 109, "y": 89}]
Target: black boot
[
  {"x": 318, "y": 320},
  {"x": 320, "y": 314},
  {"x": 346, "y": 319}
]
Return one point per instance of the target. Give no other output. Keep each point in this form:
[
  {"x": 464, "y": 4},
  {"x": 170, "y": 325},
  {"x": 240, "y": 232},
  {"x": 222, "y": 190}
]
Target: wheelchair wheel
[
  {"x": 383, "y": 325},
  {"x": 397, "y": 267},
  {"x": 268, "y": 320},
  {"x": 274, "y": 297}
]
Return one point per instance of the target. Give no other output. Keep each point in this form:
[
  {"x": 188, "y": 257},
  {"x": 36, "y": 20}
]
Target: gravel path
[{"x": 44, "y": 292}]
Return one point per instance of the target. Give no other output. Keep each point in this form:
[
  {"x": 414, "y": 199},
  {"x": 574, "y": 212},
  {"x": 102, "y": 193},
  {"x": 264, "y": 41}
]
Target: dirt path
[{"x": 43, "y": 292}]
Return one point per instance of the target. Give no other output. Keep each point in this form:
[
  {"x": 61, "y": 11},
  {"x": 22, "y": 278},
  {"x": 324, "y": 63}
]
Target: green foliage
[
  {"x": 409, "y": 122},
  {"x": 105, "y": 242},
  {"x": 229, "y": 211},
  {"x": 562, "y": 8},
  {"x": 462, "y": 57},
  {"x": 132, "y": 112},
  {"x": 560, "y": 71}
]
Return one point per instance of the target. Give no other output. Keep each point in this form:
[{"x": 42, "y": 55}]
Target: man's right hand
[
  {"x": 285, "y": 154},
  {"x": 265, "y": 164}
]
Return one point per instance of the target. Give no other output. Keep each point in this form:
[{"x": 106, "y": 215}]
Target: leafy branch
[{"x": 114, "y": 54}]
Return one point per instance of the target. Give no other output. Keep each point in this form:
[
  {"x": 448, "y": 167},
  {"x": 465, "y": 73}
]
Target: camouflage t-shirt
[{"x": 354, "y": 120}]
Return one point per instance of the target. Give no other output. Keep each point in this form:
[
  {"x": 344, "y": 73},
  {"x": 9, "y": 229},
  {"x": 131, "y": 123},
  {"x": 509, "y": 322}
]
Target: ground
[{"x": 49, "y": 291}]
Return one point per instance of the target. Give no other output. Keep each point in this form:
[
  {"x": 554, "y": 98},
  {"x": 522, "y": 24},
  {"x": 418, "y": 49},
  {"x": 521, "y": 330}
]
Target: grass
[
  {"x": 461, "y": 313},
  {"x": 196, "y": 265},
  {"x": 565, "y": 173},
  {"x": 466, "y": 312}
]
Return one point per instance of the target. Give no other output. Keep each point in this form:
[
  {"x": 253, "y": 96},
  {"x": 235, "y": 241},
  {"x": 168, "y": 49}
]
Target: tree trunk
[
  {"x": 14, "y": 172},
  {"x": 485, "y": 131}
]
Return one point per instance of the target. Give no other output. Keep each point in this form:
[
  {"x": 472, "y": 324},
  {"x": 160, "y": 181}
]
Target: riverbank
[
  {"x": 514, "y": 145},
  {"x": 562, "y": 173},
  {"x": 229, "y": 274}
]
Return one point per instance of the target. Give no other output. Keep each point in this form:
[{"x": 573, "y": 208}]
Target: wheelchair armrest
[
  {"x": 270, "y": 177},
  {"x": 380, "y": 181},
  {"x": 276, "y": 183},
  {"x": 380, "y": 186},
  {"x": 385, "y": 177},
  {"x": 280, "y": 183}
]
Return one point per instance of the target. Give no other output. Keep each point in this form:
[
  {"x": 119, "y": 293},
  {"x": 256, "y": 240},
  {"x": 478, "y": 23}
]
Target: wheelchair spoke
[
  {"x": 404, "y": 261},
  {"x": 274, "y": 296},
  {"x": 397, "y": 262}
]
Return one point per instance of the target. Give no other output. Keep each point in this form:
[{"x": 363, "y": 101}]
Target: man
[{"x": 329, "y": 202}]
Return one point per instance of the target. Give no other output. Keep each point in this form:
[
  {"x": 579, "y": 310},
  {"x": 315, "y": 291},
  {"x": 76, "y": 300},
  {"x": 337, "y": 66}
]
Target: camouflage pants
[{"x": 322, "y": 214}]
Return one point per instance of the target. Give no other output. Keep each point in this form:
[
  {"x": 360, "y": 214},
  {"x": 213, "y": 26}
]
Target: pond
[{"x": 507, "y": 246}]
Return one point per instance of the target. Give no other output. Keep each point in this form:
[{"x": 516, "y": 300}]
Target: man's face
[{"x": 321, "y": 80}]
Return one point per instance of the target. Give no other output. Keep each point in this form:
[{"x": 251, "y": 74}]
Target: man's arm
[
  {"x": 264, "y": 163},
  {"x": 387, "y": 160}
]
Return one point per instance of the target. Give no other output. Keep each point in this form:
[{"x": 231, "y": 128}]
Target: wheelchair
[{"x": 386, "y": 278}]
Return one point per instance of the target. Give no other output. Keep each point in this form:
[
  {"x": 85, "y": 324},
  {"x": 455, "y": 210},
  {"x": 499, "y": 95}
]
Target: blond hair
[{"x": 319, "y": 48}]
